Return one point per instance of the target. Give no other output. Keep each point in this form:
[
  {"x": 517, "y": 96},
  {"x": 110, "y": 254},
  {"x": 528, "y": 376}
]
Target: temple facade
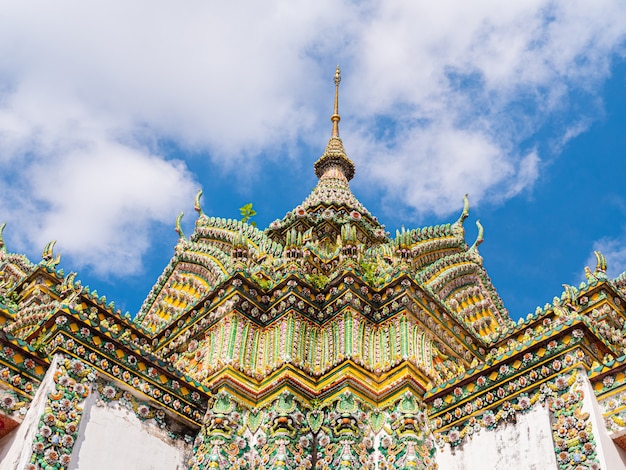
[{"x": 321, "y": 342}]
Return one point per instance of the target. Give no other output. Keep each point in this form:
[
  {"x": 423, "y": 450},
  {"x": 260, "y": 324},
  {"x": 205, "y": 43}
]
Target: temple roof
[
  {"x": 314, "y": 242},
  {"x": 320, "y": 312}
]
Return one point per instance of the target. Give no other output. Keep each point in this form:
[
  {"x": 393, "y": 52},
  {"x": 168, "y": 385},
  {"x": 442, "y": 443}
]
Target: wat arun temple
[{"x": 321, "y": 342}]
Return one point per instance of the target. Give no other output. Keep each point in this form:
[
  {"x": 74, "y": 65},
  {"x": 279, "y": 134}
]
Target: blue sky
[{"x": 113, "y": 116}]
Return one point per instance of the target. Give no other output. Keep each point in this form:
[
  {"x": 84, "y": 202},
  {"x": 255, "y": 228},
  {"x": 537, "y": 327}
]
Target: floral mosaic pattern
[
  {"x": 24, "y": 373},
  {"x": 614, "y": 411},
  {"x": 504, "y": 412},
  {"x": 344, "y": 435},
  {"x": 108, "y": 392},
  {"x": 58, "y": 427},
  {"x": 11, "y": 403},
  {"x": 572, "y": 432},
  {"x": 130, "y": 367},
  {"x": 574, "y": 443},
  {"x": 496, "y": 385}
]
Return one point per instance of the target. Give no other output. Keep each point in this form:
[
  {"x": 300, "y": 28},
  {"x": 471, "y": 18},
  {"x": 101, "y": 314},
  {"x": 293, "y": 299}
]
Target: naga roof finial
[
  {"x": 179, "y": 228},
  {"x": 196, "y": 203},
  {"x": 47, "y": 255},
  {"x": 569, "y": 294},
  {"x": 600, "y": 271},
  {"x": 335, "y": 117},
  {"x": 457, "y": 227},
  {"x": 480, "y": 237},
  {"x": 600, "y": 261},
  {"x": 466, "y": 208}
]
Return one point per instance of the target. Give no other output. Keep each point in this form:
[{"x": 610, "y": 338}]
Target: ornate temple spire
[
  {"x": 334, "y": 163},
  {"x": 331, "y": 196},
  {"x": 335, "y": 118}
]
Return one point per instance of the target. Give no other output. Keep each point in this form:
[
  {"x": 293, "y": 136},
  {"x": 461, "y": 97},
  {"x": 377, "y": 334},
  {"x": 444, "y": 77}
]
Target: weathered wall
[
  {"x": 16, "y": 448},
  {"x": 610, "y": 456},
  {"x": 111, "y": 436},
  {"x": 526, "y": 444}
]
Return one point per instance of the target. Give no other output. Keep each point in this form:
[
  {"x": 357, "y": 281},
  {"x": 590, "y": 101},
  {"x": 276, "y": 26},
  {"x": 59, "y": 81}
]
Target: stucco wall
[
  {"x": 610, "y": 456},
  {"x": 114, "y": 437},
  {"x": 526, "y": 444},
  {"x": 16, "y": 448}
]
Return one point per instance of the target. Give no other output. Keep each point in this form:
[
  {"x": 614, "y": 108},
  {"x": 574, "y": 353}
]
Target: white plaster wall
[
  {"x": 16, "y": 448},
  {"x": 611, "y": 457},
  {"x": 113, "y": 437},
  {"x": 526, "y": 445}
]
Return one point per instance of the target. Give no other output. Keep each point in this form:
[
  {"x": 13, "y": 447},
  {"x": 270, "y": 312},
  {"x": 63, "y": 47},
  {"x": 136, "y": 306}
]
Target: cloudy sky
[{"x": 113, "y": 114}]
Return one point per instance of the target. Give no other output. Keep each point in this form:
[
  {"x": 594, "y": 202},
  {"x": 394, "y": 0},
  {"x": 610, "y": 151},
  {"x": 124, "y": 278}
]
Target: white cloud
[
  {"x": 425, "y": 169},
  {"x": 102, "y": 201},
  {"x": 87, "y": 89},
  {"x": 469, "y": 83},
  {"x": 526, "y": 175},
  {"x": 69, "y": 176},
  {"x": 218, "y": 75}
]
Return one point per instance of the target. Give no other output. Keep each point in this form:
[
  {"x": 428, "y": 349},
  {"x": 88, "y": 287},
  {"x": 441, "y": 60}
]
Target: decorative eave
[
  {"x": 89, "y": 337},
  {"x": 295, "y": 295},
  {"x": 376, "y": 391},
  {"x": 516, "y": 373},
  {"x": 14, "y": 269},
  {"x": 20, "y": 366}
]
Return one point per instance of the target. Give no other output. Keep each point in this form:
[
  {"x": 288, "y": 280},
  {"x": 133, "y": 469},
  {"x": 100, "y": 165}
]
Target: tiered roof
[
  {"x": 324, "y": 312},
  {"x": 261, "y": 301}
]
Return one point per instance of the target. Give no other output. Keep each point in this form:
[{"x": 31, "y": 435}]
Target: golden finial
[
  {"x": 335, "y": 117},
  {"x": 334, "y": 157}
]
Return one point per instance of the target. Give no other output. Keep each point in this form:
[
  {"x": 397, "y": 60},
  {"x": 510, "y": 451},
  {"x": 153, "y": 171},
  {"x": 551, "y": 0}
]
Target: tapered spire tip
[
  {"x": 335, "y": 117},
  {"x": 334, "y": 163}
]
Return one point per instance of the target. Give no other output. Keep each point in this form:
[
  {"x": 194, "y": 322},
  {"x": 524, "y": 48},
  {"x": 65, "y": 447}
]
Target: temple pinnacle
[
  {"x": 335, "y": 117},
  {"x": 334, "y": 163}
]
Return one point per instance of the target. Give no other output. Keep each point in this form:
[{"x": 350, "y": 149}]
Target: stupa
[{"x": 321, "y": 342}]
